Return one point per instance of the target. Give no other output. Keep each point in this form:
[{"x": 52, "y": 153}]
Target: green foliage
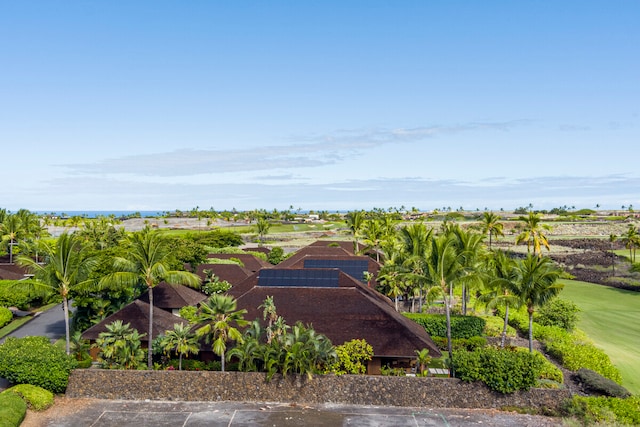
[
  {"x": 352, "y": 358},
  {"x": 493, "y": 327},
  {"x": 276, "y": 255},
  {"x": 231, "y": 250},
  {"x": 12, "y": 409},
  {"x": 36, "y": 398},
  {"x": 34, "y": 360},
  {"x": 604, "y": 410},
  {"x": 502, "y": 370},
  {"x": 185, "y": 251},
  {"x": 189, "y": 313},
  {"x": 120, "y": 347},
  {"x": 461, "y": 326},
  {"x": 193, "y": 365},
  {"x": 558, "y": 312},
  {"x": 596, "y": 383},
  {"x": 468, "y": 344},
  {"x": 214, "y": 285},
  {"x": 392, "y": 372},
  {"x": 11, "y": 297},
  {"x": 220, "y": 238},
  {"x": 5, "y": 316}
]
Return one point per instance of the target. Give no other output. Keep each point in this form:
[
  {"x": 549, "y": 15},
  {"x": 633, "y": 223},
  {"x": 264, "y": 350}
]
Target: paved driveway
[{"x": 115, "y": 413}]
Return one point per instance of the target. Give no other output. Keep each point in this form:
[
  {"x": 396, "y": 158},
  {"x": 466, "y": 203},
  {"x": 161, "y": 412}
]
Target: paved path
[
  {"x": 48, "y": 323},
  {"x": 115, "y": 413}
]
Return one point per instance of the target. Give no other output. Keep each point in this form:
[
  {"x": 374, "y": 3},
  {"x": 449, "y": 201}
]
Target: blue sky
[{"x": 334, "y": 105}]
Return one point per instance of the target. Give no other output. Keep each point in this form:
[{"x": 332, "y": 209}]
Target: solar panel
[
  {"x": 316, "y": 278},
  {"x": 354, "y": 268}
]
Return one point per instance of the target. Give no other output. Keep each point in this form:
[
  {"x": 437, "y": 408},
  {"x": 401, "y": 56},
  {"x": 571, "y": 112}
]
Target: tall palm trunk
[
  {"x": 65, "y": 309},
  {"x": 504, "y": 328},
  {"x": 447, "y": 311},
  {"x": 149, "y": 337}
]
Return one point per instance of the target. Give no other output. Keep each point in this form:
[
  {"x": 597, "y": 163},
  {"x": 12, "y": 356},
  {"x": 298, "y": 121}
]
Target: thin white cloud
[{"x": 307, "y": 151}]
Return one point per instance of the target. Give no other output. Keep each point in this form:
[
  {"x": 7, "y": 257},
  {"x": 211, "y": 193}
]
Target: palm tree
[
  {"x": 631, "y": 240},
  {"x": 220, "y": 316},
  {"x": 533, "y": 233},
  {"x": 470, "y": 249},
  {"x": 269, "y": 314},
  {"x": 422, "y": 360},
  {"x": 535, "y": 283},
  {"x": 120, "y": 346},
  {"x": 11, "y": 229},
  {"x": 492, "y": 226},
  {"x": 373, "y": 235},
  {"x": 500, "y": 286},
  {"x": 262, "y": 226},
  {"x": 67, "y": 270},
  {"x": 355, "y": 221},
  {"x": 181, "y": 340},
  {"x": 147, "y": 263},
  {"x": 444, "y": 270}
]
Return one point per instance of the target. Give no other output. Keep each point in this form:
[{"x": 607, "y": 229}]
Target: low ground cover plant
[
  {"x": 12, "y": 409},
  {"x": 36, "y": 398},
  {"x": 604, "y": 410},
  {"x": 597, "y": 384}
]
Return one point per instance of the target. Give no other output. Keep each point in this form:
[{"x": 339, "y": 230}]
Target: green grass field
[{"x": 611, "y": 318}]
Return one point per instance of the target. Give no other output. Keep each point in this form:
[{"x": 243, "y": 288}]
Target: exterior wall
[{"x": 346, "y": 389}]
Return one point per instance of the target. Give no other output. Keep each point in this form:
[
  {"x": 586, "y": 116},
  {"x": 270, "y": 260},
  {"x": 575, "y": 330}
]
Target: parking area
[{"x": 112, "y": 413}]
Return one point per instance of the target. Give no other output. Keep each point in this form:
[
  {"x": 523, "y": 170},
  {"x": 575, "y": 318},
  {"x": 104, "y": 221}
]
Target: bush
[
  {"x": 35, "y": 361},
  {"x": 12, "y": 409},
  {"x": 604, "y": 410},
  {"x": 461, "y": 326},
  {"x": 494, "y": 325},
  {"x": 596, "y": 383},
  {"x": 501, "y": 370},
  {"x": 558, "y": 312},
  {"x": 352, "y": 358},
  {"x": 469, "y": 344},
  {"x": 276, "y": 255},
  {"x": 13, "y": 297},
  {"x": 5, "y": 316},
  {"x": 36, "y": 398}
]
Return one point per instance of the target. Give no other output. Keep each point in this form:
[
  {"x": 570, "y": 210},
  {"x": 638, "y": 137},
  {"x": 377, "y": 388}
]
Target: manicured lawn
[{"x": 611, "y": 318}]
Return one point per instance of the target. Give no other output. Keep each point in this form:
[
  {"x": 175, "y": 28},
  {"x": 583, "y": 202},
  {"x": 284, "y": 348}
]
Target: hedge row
[
  {"x": 5, "y": 316},
  {"x": 461, "y": 326}
]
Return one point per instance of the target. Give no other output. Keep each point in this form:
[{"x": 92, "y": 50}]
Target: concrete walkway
[{"x": 115, "y": 413}]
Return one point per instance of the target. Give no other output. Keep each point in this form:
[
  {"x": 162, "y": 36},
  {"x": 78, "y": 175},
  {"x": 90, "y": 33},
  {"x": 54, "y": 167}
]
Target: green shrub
[
  {"x": 276, "y": 255},
  {"x": 12, "y": 409},
  {"x": 502, "y": 370},
  {"x": 35, "y": 361},
  {"x": 5, "y": 316},
  {"x": 352, "y": 358},
  {"x": 604, "y": 410},
  {"x": 558, "y": 312},
  {"x": 596, "y": 383},
  {"x": 461, "y": 326},
  {"x": 493, "y": 327},
  {"x": 12, "y": 297},
  {"x": 548, "y": 371},
  {"x": 36, "y": 398},
  {"x": 189, "y": 313},
  {"x": 469, "y": 344}
]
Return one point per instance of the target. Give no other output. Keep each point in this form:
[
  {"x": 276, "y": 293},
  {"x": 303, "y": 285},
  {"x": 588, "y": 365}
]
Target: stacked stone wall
[{"x": 321, "y": 389}]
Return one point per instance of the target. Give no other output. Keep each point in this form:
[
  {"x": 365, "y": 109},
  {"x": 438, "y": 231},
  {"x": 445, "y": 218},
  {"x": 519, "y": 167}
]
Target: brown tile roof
[
  {"x": 168, "y": 296},
  {"x": 12, "y": 272},
  {"x": 232, "y": 273},
  {"x": 250, "y": 261},
  {"x": 315, "y": 251},
  {"x": 342, "y": 313},
  {"x": 346, "y": 245},
  {"x": 137, "y": 315}
]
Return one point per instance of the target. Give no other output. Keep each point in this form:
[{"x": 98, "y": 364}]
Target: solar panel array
[
  {"x": 324, "y": 278},
  {"x": 354, "y": 268}
]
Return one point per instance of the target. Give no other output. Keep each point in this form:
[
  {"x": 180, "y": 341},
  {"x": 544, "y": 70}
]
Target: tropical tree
[
  {"x": 536, "y": 282},
  {"x": 612, "y": 239},
  {"x": 492, "y": 226},
  {"x": 499, "y": 289},
  {"x": 120, "y": 346},
  {"x": 11, "y": 229},
  {"x": 262, "y": 227},
  {"x": 444, "y": 270},
  {"x": 373, "y": 234},
  {"x": 355, "y": 222},
  {"x": 533, "y": 233},
  {"x": 269, "y": 314},
  {"x": 470, "y": 249},
  {"x": 422, "y": 362},
  {"x": 147, "y": 263},
  {"x": 67, "y": 270},
  {"x": 221, "y": 318},
  {"x": 631, "y": 240},
  {"x": 180, "y": 340}
]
